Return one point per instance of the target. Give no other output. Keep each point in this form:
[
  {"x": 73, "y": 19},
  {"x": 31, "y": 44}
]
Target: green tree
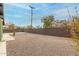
[{"x": 47, "y": 21}]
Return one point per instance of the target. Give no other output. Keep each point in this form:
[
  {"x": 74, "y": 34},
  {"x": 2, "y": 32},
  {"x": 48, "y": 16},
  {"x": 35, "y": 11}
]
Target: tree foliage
[{"x": 47, "y": 21}]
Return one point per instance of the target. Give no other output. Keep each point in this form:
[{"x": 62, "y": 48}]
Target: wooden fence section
[{"x": 61, "y": 32}]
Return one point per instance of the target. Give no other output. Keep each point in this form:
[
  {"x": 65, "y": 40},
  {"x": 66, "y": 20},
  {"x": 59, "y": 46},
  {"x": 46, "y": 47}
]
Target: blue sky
[{"x": 19, "y": 13}]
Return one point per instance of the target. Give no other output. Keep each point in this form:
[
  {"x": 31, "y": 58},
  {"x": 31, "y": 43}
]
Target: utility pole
[{"x": 31, "y": 14}]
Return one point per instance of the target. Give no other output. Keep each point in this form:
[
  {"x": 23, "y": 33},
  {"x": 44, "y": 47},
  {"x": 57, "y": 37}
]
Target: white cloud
[
  {"x": 62, "y": 13},
  {"x": 15, "y": 16},
  {"x": 24, "y": 6}
]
